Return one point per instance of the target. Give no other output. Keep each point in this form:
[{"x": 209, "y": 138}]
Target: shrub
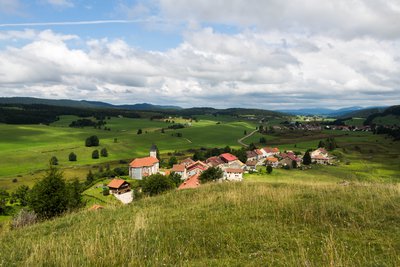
[
  {"x": 14, "y": 180},
  {"x": 211, "y": 174},
  {"x": 139, "y": 131},
  {"x": 104, "y": 152},
  {"x": 156, "y": 184},
  {"x": 72, "y": 156},
  {"x": 269, "y": 169},
  {"x": 92, "y": 141},
  {"x": 95, "y": 154},
  {"x": 53, "y": 160}
]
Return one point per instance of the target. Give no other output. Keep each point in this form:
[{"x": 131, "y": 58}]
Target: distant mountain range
[
  {"x": 81, "y": 103},
  {"x": 355, "y": 111}
]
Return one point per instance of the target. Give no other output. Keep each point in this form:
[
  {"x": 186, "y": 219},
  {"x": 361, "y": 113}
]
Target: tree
[
  {"x": 245, "y": 132},
  {"x": 104, "y": 152},
  {"x": 321, "y": 144},
  {"x": 156, "y": 184},
  {"x": 3, "y": 200},
  {"x": 240, "y": 154},
  {"x": 53, "y": 160},
  {"x": 211, "y": 174},
  {"x": 48, "y": 197},
  {"x": 172, "y": 161},
  {"x": 331, "y": 143},
  {"x": 269, "y": 169},
  {"x": 162, "y": 130},
  {"x": 139, "y": 131},
  {"x": 176, "y": 178},
  {"x": 115, "y": 140},
  {"x": 92, "y": 141},
  {"x": 95, "y": 154},
  {"x": 307, "y": 158},
  {"x": 21, "y": 195},
  {"x": 74, "y": 196},
  {"x": 89, "y": 177},
  {"x": 252, "y": 146},
  {"x": 263, "y": 140},
  {"x": 72, "y": 156}
]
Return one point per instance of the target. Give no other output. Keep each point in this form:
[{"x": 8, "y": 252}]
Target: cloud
[
  {"x": 247, "y": 69},
  {"x": 11, "y": 7},
  {"x": 341, "y": 18},
  {"x": 60, "y": 3}
]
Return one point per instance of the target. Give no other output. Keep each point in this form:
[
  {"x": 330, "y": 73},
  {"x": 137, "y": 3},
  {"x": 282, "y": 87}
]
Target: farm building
[
  {"x": 119, "y": 186},
  {"x": 232, "y": 174}
]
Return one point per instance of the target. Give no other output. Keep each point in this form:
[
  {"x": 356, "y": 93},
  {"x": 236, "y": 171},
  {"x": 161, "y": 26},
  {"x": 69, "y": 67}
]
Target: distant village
[{"x": 233, "y": 169}]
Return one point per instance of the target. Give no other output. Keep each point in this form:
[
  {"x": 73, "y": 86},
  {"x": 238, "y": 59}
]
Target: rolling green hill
[{"x": 229, "y": 224}]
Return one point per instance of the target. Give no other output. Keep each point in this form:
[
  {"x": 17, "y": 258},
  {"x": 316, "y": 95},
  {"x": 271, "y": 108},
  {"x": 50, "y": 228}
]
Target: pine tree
[{"x": 307, "y": 158}]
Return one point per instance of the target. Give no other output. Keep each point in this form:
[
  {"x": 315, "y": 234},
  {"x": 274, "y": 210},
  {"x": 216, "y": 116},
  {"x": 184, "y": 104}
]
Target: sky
[{"x": 268, "y": 54}]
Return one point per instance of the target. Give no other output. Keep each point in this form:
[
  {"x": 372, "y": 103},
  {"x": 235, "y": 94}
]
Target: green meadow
[{"x": 253, "y": 223}]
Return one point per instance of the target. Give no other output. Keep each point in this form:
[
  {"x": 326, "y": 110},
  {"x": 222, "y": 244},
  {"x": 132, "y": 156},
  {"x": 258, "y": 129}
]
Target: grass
[
  {"x": 26, "y": 149},
  {"x": 229, "y": 224}
]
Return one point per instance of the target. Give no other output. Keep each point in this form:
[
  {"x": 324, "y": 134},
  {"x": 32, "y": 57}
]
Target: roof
[
  {"x": 271, "y": 150},
  {"x": 251, "y": 163},
  {"x": 191, "y": 182},
  {"x": 214, "y": 161},
  {"x": 258, "y": 151},
  {"x": 234, "y": 170},
  {"x": 272, "y": 159},
  {"x": 116, "y": 183},
  {"x": 143, "y": 162},
  {"x": 251, "y": 154},
  {"x": 320, "y": 157},
  {"x": 198, "y": 164},
  {"x": 187, "y": 161},
  {"x": 178, "y": 168},
  {"x": 228, "y": 157}
]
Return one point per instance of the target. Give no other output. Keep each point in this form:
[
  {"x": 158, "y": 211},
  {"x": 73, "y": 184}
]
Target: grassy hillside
[{"x": 230, "y": 224}]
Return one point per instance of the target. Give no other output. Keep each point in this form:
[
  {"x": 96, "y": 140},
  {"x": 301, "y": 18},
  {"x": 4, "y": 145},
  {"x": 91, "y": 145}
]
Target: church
[{"x": 142, "y": 167}]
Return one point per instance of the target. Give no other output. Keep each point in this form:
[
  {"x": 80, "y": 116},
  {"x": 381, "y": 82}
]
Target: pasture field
[
  {"x": 26, "y": 149},
  {"x": 254, "y": 223}
]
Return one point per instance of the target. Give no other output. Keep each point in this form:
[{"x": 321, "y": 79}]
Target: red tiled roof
[
  {"x": 258, "y": 151},
  {"x": 320, "y": 157},
  {"x": 214, "y": 161},
  {"x": 272, "y": 159},
  {"x": 178, "y": 168},
  {"x": 233, "y": 170},
  {"x": 228, "y": 157},
  {"x": 271, "y": 150},
  {"x": 116, "y": 183},
  {"x": 143, "y": 162},
  {"x": 251, "y": 154},
  {"x": 251, "y": 163},
  {"x": 191, "y": 182},
  {"x": 198, "y": 164},
  {"x": 187, "y": 161}
]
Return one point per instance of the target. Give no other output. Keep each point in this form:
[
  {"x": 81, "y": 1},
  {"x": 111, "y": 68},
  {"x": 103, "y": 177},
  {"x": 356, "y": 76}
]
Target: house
[
  {"x": 251, "y": 165},
  {"x": 272, "y": 161},
  {"x": 251, "y": 155},
  {"x": 232, "y": 174},
  {"x": 269, "y": 151},
  {"x": 142, "y": 167},
  {"x": 196, "y": 168},
  {"x": 228, "y": 157},
  {"x": 292, "y": 156},
  {"x": 119, "y": 186},
  {"x": 286, "y": 162},
  {"x": 260, "y": 155},
  {"x": 180, "y": 169},
  {"x": 187, "y": 162},
  {"x": 191, "y": 182},
  {"x": 214, "y": 161},
  {"x": 320, "y": 156}
]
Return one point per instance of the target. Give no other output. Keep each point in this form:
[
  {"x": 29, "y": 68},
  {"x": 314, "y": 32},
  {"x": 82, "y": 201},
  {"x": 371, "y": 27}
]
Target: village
[{"x": 232, "y": 168}]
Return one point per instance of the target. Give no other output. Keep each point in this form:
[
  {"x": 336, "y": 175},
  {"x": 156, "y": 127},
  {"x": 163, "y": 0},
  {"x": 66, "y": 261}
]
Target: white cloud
[
  {"x": 60, "y": 3},
  {"x": 11, "y": 7},
  {"x": 248, "y": 69}
]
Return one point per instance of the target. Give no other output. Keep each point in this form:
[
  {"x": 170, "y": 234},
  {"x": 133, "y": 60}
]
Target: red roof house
[
  {"x": 191, "y": 182},
  {"x": 228, "y": 157}
]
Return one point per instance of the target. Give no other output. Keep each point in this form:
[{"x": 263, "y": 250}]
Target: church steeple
[{"x": 153, "y": 151}]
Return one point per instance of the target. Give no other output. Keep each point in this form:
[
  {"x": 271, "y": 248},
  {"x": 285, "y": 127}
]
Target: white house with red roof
[
  {"x": 196, "y": 168},
  {"x": 269, "y": 151},
  {"x": 320, "y": 156},
  {"x": 180, "y": 169},
  {"x": 142, "y": 167}
]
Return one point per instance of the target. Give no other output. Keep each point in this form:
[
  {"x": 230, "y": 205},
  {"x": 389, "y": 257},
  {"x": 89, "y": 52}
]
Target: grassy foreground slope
[{"x": 230, "y": 224}]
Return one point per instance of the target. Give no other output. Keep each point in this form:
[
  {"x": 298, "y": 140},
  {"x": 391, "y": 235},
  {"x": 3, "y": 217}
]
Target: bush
[
  {"x": 156, "y": 184},
  {"x": 106, "y": 191},
  {"x": 72, "y": 156},
  {"x": 211, "y": 174},
  {"x": 104, "y": 152},
  {"x": 269, "y": 169},
  {"x": 15, "y": 180},
  {"x": 139, "y": 131},
  {"x": 53, "y": 160},
  {"x": 23, "y": 218},
  {"x": 92, "y": 141},
  {"x": 95, "y": 154}
]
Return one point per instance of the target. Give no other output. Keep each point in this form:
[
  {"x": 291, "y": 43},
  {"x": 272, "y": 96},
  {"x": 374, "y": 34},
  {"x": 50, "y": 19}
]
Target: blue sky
[{"x": 271, "y": 54}]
